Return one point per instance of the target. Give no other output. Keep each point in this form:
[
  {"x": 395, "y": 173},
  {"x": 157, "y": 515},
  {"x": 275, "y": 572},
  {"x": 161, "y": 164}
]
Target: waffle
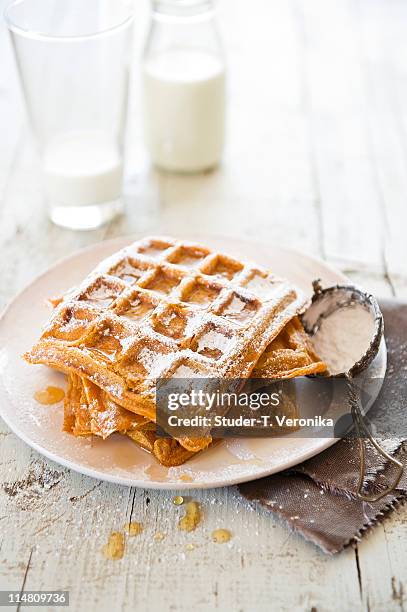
[
  {"x": 289, "y": 355},
  {"x": 88, "y": 410},
  {"x": 164, "y": 308},
  {"x": 91, "y": 411}
]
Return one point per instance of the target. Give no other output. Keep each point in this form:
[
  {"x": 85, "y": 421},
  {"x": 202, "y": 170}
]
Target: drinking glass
[{"x": 73, "y": 58}]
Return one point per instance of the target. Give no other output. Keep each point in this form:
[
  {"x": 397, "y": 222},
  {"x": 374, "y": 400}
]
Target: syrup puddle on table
[
  {"x": 220, "y": 536},
  {"x": 192, "y": 517}
]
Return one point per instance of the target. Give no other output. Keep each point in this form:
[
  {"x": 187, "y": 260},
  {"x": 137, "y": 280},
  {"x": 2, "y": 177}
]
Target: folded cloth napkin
[{"x": 318, "y": 498}]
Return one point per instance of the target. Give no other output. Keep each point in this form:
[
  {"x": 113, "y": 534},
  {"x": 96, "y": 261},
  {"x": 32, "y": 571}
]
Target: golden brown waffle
[
  {"x": 167, "y": 451},
  {"x": 165, "y": 308},
  {"x": 290, "y": 354},
  {"x": 89, "y": 410}
]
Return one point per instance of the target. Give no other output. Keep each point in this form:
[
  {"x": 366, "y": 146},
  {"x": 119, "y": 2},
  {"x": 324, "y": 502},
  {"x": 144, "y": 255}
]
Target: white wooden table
[{"x": 316, "y": 160}]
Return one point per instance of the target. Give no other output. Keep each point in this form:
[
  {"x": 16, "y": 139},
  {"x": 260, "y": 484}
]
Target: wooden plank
[
  {"x": 335, "y": 101},
  {"x": 382, "y": 45},
  {"x": 73, "y": 518},
  {"x": 384, "y": 583}
]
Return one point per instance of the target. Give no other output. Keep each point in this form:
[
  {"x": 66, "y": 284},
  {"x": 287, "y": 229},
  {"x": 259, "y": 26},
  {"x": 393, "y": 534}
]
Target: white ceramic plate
[{"x": 118, "y": 459}]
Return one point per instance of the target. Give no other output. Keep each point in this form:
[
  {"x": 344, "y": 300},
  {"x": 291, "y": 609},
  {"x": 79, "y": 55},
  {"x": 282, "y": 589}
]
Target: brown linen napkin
[{"x": 318, "y": 497}]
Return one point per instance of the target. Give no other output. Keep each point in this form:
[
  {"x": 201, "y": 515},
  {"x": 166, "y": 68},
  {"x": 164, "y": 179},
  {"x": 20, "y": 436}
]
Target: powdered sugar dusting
[
  {"x": 262, "y": 286},
  {"x": 184, "y": 371},
  {"x": 126, "y": 342},
  {"x": 214, "y": 340},
  {"x": 235, "y": 306},
  {"x": 153, "y": 361}
]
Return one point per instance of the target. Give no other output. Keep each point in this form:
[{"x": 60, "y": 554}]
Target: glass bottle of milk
[{"x": 184, "y": 86}]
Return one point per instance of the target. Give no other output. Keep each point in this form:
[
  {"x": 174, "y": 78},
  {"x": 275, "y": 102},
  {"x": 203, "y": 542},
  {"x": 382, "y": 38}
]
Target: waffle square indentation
[
  {"x": 105, "y": 343},
  {"x": 214, "y": 342},
  {"x": 224, "y": 267},
  {"x": 129, "y": 270},
  {"x": 154, "y": 248},
  {"x": 72, "y": 324},
  {"x": 146, "y": 360},
  {"x": 189, "y": 370},
  {"x": 239, "y": 309},
  {"x": 173, "y": 322},
  {"x": 137, "y": 308},
  {"x": 262, "y": 285},
  {"x": 201, "y": 293},
  {"x": 102, "y": 293},
  {"x": 162, "y": 282},
  {"x": 190, "y": 257}
]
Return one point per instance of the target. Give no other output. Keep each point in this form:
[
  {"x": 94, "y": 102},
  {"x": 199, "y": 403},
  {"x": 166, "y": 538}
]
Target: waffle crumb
[
  {"x": 186, "y": 478},
  {"x": 220, "y": 536},
  {"x": 159, "y": 536},
  {"x": 49, "y": 395},
  {"x": 134, "y": 528},
  {"x": 178, "y": 500},
  {"x": 114, "y": 549},
  {"x": 192, "y": 517}
]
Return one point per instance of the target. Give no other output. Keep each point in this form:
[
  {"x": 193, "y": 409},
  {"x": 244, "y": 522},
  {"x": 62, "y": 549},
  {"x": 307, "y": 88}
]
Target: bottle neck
[
  {"x": 182, "y": 9},
  {"x": 185, "y": 24}
]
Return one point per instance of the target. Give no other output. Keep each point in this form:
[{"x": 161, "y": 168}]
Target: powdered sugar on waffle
[
  {"x": 153, "y": 362},
  {"x": 214, "y": 340},
  {"x": 228, "y": 285},
  {"x": 236, "y": 306}
]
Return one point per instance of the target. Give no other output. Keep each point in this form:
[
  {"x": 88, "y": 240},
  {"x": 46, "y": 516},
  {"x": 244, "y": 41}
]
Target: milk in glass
[{"x": 82, "y": 168}]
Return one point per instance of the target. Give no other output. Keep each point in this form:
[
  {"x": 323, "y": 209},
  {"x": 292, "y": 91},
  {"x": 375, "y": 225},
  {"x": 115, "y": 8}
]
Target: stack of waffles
[{"x": 164, "y": 308}]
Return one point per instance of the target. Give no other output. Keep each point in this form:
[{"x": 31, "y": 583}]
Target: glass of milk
[
  {"x": 73, "y": 57},
  {"x": 184, "y": 86}
]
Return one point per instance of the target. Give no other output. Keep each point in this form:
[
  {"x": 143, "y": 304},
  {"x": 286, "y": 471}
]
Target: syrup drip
[
  {"x": 114, "y": 549},
  {"x": 220, "y": 536},
  {"x": 192, "y": 517},
  {"x": 134, "y": 528},
  {"x": 49, "y": 395},
  {"x": 178, "y": 500}
]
